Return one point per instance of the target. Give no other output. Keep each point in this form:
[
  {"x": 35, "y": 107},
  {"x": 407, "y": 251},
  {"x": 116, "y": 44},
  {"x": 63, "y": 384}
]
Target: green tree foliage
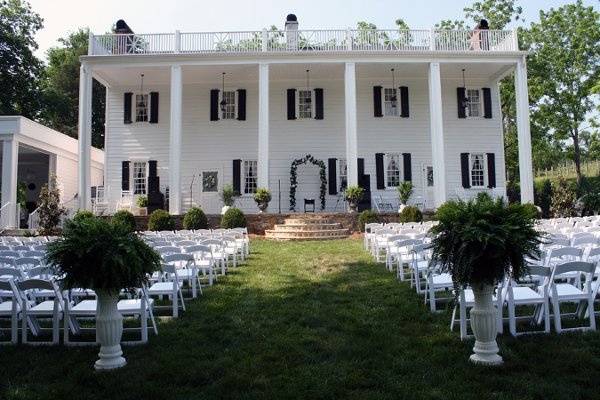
[
  {"x": 61, "y": 89},
  {"x": 563, "y": 199},
  {"x": 50, "y": 210},
  {"x": 564, "y": 66},
  {"x": 20, "y": 69}
]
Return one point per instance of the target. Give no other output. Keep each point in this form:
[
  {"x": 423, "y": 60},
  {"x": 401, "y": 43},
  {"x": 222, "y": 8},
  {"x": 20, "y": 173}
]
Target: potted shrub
[
  {"x": 233, "y": 218},
  {"x": 96, "y": 254},
  {"x": 262, "y": 197},
  {"x": 404, "y": 192},
  {"x": 228, "y": 197},
  {"x": 353, "y": 195},
  {"x": 479, "y": 243},
  {"x": 195, "y": 219},
  {"x": 142, "y": 203}
]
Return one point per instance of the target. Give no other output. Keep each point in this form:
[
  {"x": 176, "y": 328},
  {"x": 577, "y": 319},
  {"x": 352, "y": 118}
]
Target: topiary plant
[
  {"x": 353, "y": 195},
  {"x": 195, "y": 219},
  {"x": 367, "y": 217},
  {"x": 126, "y": 219},
  {"x": 233, "y": 218},
  {"x": 83, "y": 214},
  {"x": 161, "y": 220},
  {"x": 411, "y": 214},
  {"x": 563, "y": 199}
]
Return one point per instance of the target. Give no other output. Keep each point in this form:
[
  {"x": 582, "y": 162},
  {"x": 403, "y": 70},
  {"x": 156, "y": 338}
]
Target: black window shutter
[
  {"x": 153, "y": 108},
  {"x": 460, "y": 99},
  {"x": 214, "y": 104},
  {"x": 125, "y": 175},
  {"x": 491, "y": 167},
  {"x": 464, "y": 169},
  {"x": 237, "y": 176},
  {"x": 152, "y": 181},
  {"x": 404, "y": 110},
  {"x": 360, "y": 165},
  {"x": 127, "y": 108},
  {"x": 487, "y": 102},
  {"x": 331, "y": 170},
  {"x": 379, "y": 171},
  {"x": 241, "y": 104},
  {"x": 291, "y": 104},
  {"x": 318, "y": 103},
  {"x": 377, "y": 110},
  {"x": 407, "y": 167}
]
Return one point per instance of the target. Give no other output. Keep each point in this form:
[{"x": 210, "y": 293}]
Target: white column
[
  {"x": 351, "y": 130},
  {"x": 263, "y": 126},
  {"x": 523, "y": 133},
  {"x": 437, "y": 134},
  {"x": 175, "y": 142},
  {"x": 10, "y": 162},
  {"x": 85, "y": 136}
]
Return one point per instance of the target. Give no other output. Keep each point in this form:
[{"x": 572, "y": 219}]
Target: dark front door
[{"x": 364, "y": 181}]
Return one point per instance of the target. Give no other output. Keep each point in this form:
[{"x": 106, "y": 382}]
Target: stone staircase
[{"x": 305, "y": 227}]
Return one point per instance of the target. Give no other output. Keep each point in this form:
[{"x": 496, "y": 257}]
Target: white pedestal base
[
  {"x": 483, "y": 322},
  {"x": 109, "y": 329}
]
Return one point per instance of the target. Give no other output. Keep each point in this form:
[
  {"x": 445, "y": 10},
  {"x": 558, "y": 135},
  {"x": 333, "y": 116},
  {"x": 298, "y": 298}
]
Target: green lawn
[{"x": 313, "y": 320}]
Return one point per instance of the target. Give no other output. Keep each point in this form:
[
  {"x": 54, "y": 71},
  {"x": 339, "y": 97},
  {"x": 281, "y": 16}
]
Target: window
[
  {"x": 429, "y": 176},
  {"x": 392, "y": 170},
  {"x": 250, "y": 176},
  {"x": 141, "y": 108},
  {"x": 304, "y": 103},
  {"x": 390, "y": 101},
  {"x": 473, "y": 103},
  {"x": 229, "y": 111},
  {"x": 477, "y": 170},
  {"x": 210, "y": 181},
  {"x": 139, "y": 177},
  {"x": 342, "y": 174}
]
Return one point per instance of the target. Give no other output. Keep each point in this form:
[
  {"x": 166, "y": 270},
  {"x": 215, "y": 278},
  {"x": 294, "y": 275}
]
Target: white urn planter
[
  {"x": 483, "y": 323},
  {"x": 224, "y": 209},
  {"x": 401, "y": 208},
  {"x": 109, "y": 329}
]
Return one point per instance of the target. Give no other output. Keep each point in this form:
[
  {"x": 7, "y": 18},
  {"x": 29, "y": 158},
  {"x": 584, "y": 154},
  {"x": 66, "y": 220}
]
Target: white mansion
[{"x": 187, "y": 113}]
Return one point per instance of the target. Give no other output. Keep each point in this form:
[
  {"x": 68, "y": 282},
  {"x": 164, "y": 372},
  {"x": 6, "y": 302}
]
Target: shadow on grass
[{"x": 314, "y": 320}]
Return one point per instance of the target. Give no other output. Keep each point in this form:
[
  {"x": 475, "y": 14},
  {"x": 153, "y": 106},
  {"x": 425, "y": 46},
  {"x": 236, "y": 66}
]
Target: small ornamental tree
[
  {"x": 50, "y": 209},
  {"x": 563, "y": 199},
  {"x": 228, "y": 195},
  {"x": 405, "y": 190}
]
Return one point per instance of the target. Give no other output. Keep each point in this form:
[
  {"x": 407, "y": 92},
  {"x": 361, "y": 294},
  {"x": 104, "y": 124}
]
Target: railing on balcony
[{"x": 304, "y": 41}]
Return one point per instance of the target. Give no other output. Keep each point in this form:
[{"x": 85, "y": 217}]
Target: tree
[
  {"x": 564, "y": 65},
  {"x": 61, "y": 89},
  {"x": 20, "y": 69},
  {"x": 498, "y": 13}
]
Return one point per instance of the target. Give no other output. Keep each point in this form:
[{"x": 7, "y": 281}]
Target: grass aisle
[{"x": 314, "y": 320}]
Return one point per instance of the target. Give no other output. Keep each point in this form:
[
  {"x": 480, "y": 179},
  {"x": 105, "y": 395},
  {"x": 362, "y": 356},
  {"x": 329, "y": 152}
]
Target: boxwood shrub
[
  {"x": 161, "y": 220},
  {"x": 233, "y": 218},
  {"x": 367, "y": 217},
  {"x": 411, "y": 214},
  {"x": 125, "y": 218},
  {"x": 83, "y": 214},
  {"x": 195, "y": 219}
]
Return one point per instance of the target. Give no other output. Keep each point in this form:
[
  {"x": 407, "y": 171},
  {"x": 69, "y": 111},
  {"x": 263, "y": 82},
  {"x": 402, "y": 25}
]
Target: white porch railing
[
  {"x": 33, "y": 221},
  {"x": 303, "y": 41}
]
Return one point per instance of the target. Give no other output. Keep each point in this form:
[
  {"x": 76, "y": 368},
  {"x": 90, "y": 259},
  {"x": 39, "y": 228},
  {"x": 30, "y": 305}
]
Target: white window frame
[
  {"x": 383, "y": 102},
  {"x": 244, "y": 176},
  {"x": 386, "y": 161},
  {"x": 312, "y": 103},
  {"x": 235, "y": 105},
  {"x": 341, "y": 166},
  {"x": 132, "y": 177},
  {"x": 134, "y": 108},
  {"x": 469, "y": 103},
  {"x": 483, "y": 170}
]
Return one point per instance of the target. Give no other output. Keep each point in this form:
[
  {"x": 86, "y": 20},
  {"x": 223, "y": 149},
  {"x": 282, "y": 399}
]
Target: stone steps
[{"x": 312, "y": 227}]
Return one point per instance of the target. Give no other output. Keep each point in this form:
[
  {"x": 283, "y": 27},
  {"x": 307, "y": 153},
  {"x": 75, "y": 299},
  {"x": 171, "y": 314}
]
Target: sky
[{"x": 156, "y": 16}]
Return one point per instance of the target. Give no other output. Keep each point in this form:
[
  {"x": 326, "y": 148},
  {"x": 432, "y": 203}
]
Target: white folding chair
[
  {"x": 169, "y": 286},
  {"x": 32, "y": 311},
  {"x": 203, "y": 260},
  {"x": 561, "y": 292},
  {"x": 523, "y": 295},
  {"x": 10, "y": 309}
]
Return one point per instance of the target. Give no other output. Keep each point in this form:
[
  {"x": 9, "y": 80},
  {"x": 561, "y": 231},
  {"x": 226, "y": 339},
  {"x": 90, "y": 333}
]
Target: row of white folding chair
[
  {"x": 545, "y": 286},
  {"x": 26, "y": 305},
  {"x": 22, "y": 253}
]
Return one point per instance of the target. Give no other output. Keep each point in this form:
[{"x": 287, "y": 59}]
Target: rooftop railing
[{"x": 294, "y": 41}]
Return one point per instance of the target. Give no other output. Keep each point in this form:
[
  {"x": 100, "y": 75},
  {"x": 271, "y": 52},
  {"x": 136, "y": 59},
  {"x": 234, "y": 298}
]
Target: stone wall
[{"x": 258, "y": 223}]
